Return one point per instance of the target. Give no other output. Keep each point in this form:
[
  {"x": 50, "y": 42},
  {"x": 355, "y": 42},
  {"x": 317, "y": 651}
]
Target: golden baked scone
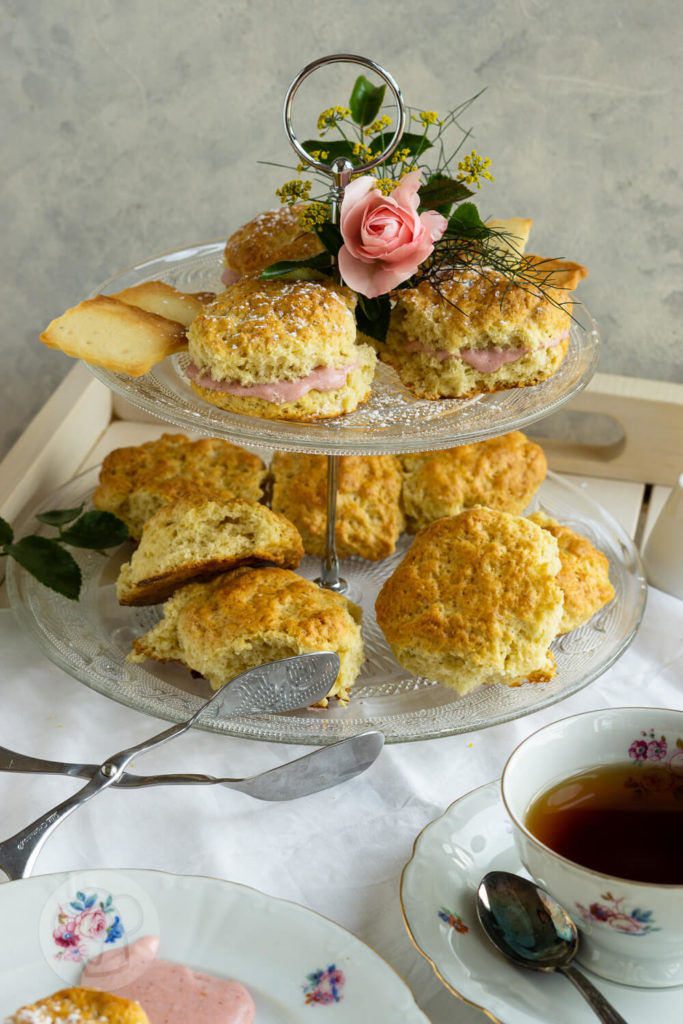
[
  {"x": 248, "y": 617},
  {"x": 280, "y": 349},
  {"x": 369, "y": 518},
  {"x": 475, "y": 600},
  {"x": 80, "y": 1006},
  {"x": 107, "y": 332},
  {"x": 478, "y": 333},
  {"x": 165, "y": 300},
  {"x": 583, "y": 576},
  {"x": 136, "y": 481},
  {"x": 504, "y": 473},
  {"x": 191, "y": 540},
  {"x": 271, "y": 237}
]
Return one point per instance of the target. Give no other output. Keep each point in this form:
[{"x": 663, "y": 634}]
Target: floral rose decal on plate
[
  {"x": 86, "y": 924},
  {"x": 324, "y": 986},
  {"x": 385, "y": 239}
]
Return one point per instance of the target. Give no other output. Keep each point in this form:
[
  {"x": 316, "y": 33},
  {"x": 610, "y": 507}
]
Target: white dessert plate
[
  {"x": 292, "y": 960},
  {"x": 392, "y": 420},
  {"x": 91, "y": 638},
  {"x": 438, "y": 900}
]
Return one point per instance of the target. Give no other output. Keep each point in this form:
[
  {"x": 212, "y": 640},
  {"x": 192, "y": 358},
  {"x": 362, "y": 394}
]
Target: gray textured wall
[{"x": 134, "y": 126}]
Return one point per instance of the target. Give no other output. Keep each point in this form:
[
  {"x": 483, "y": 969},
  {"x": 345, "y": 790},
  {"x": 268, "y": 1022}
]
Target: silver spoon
[
  {"x": 277, "y": 686},
  {"x": 311, "y": 773},
  {"x": 534, "y": 931}
]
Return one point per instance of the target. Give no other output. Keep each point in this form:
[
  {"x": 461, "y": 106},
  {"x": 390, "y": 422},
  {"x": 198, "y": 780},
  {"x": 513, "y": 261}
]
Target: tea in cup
[{"x": 596, "y": 804}]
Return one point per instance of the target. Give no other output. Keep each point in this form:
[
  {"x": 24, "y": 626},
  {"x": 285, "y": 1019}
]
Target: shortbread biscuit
[
  {"x": 80, "y": 1006},
  {"x": 136, "y": 481},
  {"x": 476, "y": 332},
  {"x": 192, "y": 540},
  {"x": 280, "y": 349},
  {"x": 272, "y": 237},
  {"x": 475, "y": 600},
  {"x": 369, "y": 518},
  {"x": 511, "y": 235},
  {"x": 503, "y": 473},
  {"x": 165, "y": 300},
  {"x": 583, "y": 576},
  {"x": 114, "y": 335},
  {"x": 249, "y": 617}
]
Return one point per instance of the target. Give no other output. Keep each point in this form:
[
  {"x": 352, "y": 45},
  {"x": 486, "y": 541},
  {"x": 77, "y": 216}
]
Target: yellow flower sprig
[{"x": 473, "y": 168}]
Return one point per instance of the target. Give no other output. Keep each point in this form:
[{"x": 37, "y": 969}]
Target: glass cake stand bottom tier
[{"x": 91, "y": 638}]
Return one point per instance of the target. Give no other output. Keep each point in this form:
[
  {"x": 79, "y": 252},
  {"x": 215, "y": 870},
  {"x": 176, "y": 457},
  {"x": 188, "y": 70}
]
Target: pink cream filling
[
  {"x": 229, "y": 277},
  {"x": 484, "y": 360},
  {"x": 169, "y": 993},
  {"x": 323, "y": 378}
]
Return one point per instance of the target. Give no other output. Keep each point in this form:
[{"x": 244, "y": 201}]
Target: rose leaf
[
  {"x": 60, "y": 516},
  {"x": 366, "y": 100},
  {"x": 6, "y": 532},
  {"x": 372, "y": 316},
  {"x": 96, "y": 530},
  {"x": 49, "y": 563}
]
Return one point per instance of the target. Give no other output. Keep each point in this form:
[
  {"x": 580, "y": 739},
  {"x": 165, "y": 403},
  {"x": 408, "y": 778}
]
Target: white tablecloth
[{"x": 340, "y": 852}]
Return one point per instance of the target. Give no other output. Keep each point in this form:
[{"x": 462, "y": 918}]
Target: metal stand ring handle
[{"x": 344, "y": 58}]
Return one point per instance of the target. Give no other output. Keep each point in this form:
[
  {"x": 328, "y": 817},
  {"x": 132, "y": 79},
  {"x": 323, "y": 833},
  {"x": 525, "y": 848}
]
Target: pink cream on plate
[{"x": 168, "y": 993}]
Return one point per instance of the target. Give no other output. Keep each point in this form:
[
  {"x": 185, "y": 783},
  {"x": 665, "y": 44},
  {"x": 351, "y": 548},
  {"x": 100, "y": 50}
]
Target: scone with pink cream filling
[
  {"x": 271, "y": 237},
  {"x": 478, "y": 333},
  {"x": 280, "y": 349}
]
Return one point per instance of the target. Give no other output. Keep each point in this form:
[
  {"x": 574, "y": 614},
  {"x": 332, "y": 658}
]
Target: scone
[
  {"x": 478, "y": 333},
  {"x": 273, "y": 236},
  {"x": 504, "y": 473},
  {"x": 583, "y": 576},
  {"x": 249, "y": 617},
  {"x": 191, "y": 540},
  {"x": 80, "y": 1006},
  {"x": 134, "y": 482},
  {"x": 369, "y": 519},
  {"x": 280, "y": 349},
  {"x": 475, "y": 600}
]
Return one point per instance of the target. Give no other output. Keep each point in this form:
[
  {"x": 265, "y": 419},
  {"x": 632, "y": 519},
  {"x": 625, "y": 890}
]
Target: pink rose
[
  {"x": 92, "y": 924},
  {"x": 385, "y": 240}
]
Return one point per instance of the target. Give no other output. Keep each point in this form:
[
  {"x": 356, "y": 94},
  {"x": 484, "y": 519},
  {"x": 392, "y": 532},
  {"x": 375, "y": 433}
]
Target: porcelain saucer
[{"x": 438, "y": 889}]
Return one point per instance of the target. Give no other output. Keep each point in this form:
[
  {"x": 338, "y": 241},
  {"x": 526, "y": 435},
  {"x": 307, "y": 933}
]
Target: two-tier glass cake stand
[{"x": 91, "y": 638}]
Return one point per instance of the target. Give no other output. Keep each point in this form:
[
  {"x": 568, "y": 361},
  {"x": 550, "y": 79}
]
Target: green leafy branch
[{"x": 45, "y": 557}]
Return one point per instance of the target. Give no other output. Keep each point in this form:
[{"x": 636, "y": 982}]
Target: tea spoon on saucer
[{"x": 533, "y": 930}]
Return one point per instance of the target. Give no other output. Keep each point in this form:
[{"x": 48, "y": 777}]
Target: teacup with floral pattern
[{"x": 630, "y": 932}]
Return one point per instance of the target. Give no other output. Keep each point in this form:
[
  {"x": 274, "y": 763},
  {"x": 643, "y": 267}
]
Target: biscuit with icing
[
  {"x": 476, "y": 332},
  {"x": 280, "y": 349}
]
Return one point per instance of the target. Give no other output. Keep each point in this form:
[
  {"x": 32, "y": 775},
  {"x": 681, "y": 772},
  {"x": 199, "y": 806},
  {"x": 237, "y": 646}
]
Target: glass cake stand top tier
[{"x": 391, "y": 421}]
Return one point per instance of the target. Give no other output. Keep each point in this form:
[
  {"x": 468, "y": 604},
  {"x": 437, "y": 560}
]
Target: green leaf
[
  {"x": 372, "y": 316},
  {"x": 331, "y": 237},
  {"x": 96, "y": 530},
  {"x": 366, "y": 100},
  {"x": 49, "y": 563},
  {"x": 465, "y": 222},
  {"x": 60, "y": 516},
  {"x": 322, "y": 262},
  {"x": 415, "y": 144},
  {"x": 333, "y": 149},
  {"x": 442, "y": 191},
  {"x": 6, "y": 532}
]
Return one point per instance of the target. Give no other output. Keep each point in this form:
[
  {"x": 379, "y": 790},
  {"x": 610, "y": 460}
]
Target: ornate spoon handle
[{"x": 604, "y": 1010}]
